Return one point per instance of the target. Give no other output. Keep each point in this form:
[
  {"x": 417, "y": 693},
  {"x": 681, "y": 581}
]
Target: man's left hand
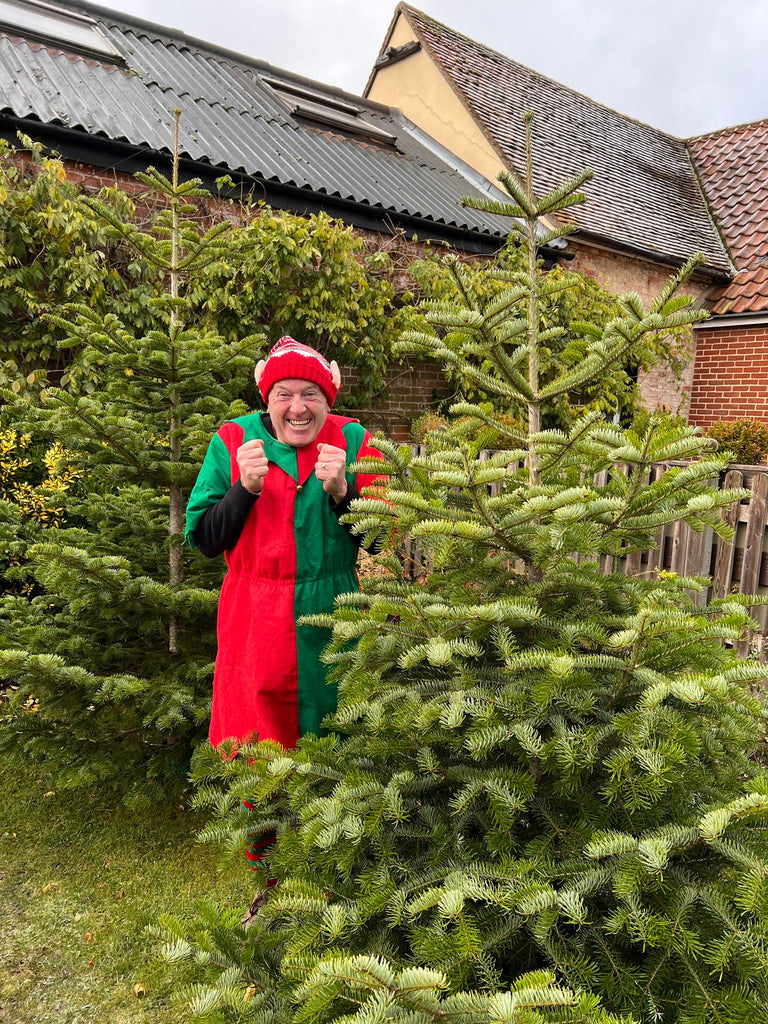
[{"x": 330, "y": 468}]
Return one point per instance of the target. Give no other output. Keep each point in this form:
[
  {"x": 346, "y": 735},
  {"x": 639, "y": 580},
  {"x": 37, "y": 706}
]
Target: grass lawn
[{"x": 80, "y": 881}]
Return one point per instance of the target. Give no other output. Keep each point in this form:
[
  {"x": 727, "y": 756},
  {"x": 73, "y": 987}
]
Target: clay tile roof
[
  {"x": 733, "y": 168},
  {"x": 645, "y": 194}
]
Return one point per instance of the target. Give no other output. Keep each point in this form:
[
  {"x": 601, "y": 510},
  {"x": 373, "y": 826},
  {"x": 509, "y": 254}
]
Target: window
[
  {"x": 327, "y": 111},
  {"x": 47, "y": 23}
]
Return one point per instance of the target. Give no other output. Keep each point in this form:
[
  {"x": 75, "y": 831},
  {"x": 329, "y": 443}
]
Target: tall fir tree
[
  {"x": 123, "y": 334},
  {"x": 116, "y": 644},
  {"x": 540, "y": 777}
]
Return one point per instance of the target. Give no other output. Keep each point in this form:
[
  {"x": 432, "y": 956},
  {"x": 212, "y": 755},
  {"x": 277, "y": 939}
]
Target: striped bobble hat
[{"x": 289, "y": 359}]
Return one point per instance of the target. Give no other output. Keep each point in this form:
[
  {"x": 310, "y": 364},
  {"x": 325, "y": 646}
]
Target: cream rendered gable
[{"x": 418, "y": 88}]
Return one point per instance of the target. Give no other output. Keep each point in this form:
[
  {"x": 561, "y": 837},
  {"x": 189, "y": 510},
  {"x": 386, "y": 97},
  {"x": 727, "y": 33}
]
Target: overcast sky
[{"x": 686, "y": 66}]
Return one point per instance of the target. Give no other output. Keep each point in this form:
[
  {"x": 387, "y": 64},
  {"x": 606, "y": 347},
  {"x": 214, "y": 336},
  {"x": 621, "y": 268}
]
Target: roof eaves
[
  {"x": 725, "y": 320},
  {"x": 652, "y": 255},
  {"x": 82, "y": 146}
]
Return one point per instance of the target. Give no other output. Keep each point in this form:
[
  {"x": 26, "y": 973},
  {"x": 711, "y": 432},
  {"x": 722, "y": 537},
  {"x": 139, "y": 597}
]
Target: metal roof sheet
[{"x": 233, "y": 119}]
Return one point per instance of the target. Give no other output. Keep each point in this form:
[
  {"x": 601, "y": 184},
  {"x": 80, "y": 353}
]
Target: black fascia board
[{"x": 127, "y": 158}]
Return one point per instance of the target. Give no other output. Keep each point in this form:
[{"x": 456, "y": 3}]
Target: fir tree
[
  {"x": 123, "y": 335},
  {"x": 540, "y": 775},
  {"x": 571, "y": 299},
  {"x": 116, "y": 644}
]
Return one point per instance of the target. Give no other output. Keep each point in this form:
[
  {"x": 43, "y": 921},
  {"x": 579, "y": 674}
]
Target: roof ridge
[{"x": 727, "y": 130}]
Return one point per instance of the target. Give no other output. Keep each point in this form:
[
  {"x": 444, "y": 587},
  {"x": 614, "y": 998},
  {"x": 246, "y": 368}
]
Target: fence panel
[{"x": 736, "y": 566}]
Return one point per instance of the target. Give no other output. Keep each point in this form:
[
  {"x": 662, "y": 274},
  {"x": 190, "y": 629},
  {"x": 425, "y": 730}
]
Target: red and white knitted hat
[{"x": 289, "y": 359}]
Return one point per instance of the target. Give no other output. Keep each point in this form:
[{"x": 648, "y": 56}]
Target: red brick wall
[
  {"x": 96, "y": 177},
  {"x": 411, "y": 389},
  {"x": 731, "y": 374}
]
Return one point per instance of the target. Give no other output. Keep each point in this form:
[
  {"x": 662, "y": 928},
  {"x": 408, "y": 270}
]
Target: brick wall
[
  {"x": 618, "y": 273},
  {"x": 731, "y": 376},
  {"x": 410, "y": 390},
  {"x": 94, "y": 178}
]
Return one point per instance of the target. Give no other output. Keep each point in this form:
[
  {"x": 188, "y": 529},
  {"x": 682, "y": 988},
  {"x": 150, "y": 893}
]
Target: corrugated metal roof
[{"x": 231, "y": 118}]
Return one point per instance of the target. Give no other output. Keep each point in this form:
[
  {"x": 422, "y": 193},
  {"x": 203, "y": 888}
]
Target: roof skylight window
[
  {"x": 323, "y": 110},
  {"x": 48, "y": 23}
]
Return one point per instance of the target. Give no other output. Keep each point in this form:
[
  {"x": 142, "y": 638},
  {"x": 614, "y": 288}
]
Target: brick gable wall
[{"x": 659, "y": 387}]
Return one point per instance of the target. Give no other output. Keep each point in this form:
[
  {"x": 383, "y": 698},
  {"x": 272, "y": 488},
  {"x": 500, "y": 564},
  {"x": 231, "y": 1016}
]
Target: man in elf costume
[{"x": 269, "y": 496}]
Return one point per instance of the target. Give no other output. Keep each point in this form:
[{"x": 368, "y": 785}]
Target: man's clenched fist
[
  {"x": 330, "y": 468},
  {"x": 253, "y": 465}
]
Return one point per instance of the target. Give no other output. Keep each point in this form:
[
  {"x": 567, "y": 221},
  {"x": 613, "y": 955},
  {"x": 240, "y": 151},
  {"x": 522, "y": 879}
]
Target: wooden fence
[{"x": 736, "y": 566}]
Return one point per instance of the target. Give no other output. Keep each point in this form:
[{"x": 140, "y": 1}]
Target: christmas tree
[
  {"x": 539, "y": 796},
  {"x": 115, "y": 644}
]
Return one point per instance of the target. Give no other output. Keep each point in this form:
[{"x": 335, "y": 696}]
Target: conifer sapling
[{"x": 540, "y": 774}]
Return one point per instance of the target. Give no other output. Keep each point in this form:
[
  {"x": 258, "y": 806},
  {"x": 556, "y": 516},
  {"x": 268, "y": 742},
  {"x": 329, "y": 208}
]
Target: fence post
[
  {"x": 753, "y": 545},
  {"x": 656, "y": 554},
  {"x": 725, "y": 548},
  {"x": 753, "y": 542},
  {"x": 679, "y": 545}
]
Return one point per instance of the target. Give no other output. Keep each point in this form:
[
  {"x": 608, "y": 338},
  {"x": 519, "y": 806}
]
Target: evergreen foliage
[
  {"x": 540, "y": 777},
  {"x": 578, "y": 301},
  {"x": 128, "y": 333},
  {"x": 56, "y": 249},
  {"x": 274, "y": 273},
  {"x": 115, "y": 644},
  {"x": 572, "y": 311}
]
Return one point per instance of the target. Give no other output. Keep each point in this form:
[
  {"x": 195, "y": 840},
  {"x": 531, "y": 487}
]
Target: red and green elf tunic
[{"x": 292, "y": 558}]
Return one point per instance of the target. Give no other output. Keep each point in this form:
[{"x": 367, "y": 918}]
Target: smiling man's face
[{"x": 298, "y": 410}]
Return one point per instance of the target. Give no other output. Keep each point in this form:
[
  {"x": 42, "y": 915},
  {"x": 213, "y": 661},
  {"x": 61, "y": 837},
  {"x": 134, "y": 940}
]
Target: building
[
  {"x": 100, "y": 88},
  {"x": 655, "y": 199}
]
